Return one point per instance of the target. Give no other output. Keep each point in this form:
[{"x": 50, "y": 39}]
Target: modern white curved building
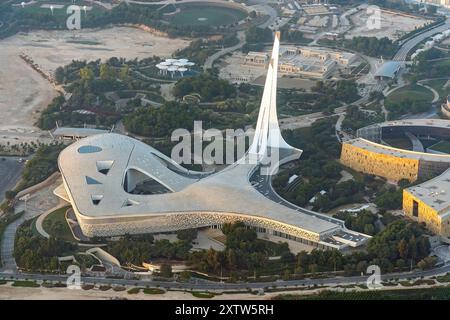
[{"x": 118, "y": 185}]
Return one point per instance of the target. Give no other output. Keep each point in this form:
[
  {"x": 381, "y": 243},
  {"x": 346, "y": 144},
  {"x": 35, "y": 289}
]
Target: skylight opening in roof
[
  {"x": 89, "y": 149},
  {"x": 90, "y": 180}
]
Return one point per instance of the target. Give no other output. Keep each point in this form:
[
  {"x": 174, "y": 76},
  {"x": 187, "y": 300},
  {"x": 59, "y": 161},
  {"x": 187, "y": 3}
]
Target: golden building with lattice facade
[
  {"x": 391, "y": 163},
  {"x": 429, "y": 202}
]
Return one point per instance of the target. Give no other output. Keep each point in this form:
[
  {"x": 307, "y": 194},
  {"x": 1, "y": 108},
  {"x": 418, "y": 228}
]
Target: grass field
[
  {"x": 399, "y": 143},
  {"x": 207, "y": 16},
  {"x": 441, "y": 293},
  {"x": 57, "y": 217},
  {"x": 412, "y": 92},
  {"x": 438, "y": 85},
  {"x": 441, "y": 146},
  {"x": 25, "y": 284}
]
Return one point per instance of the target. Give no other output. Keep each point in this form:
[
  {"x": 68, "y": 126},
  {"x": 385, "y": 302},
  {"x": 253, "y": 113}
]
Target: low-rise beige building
[
  {"x": 429, "y": 202},
  {"x": 304, "y": 62},
  {"x": 391, "y": 163}
]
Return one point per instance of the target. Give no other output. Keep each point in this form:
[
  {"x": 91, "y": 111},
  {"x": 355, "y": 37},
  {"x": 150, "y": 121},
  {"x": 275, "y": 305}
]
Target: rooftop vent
[
  {"x": 96, "y": 199},
  {"x": 130, "y": 203},
  {"x": 103, "y": 166}
]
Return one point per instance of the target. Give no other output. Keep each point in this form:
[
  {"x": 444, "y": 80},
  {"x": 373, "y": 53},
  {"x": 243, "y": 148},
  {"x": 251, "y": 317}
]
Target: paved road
[
  {"x": 407, "y": 46},
  {"x": 40, "y": 201},
  {"x": 262, "y": 6},
  {"x": 7, "y": 245},
  {"x": 209, "y": 285},
  {"x": 10, "y": 173},
  {"x": 263, "y": 184},
  {"x": 210, "y": 61}
]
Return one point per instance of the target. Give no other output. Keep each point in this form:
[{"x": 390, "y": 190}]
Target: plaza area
[{"x": 393, "y": 25}]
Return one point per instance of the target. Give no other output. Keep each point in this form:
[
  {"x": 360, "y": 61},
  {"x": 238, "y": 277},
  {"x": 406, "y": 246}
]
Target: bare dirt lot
[
  {"x": 392, "y": 25},
  {"x": 23, "y": 92},
  {"x": 7, "y": 292}
]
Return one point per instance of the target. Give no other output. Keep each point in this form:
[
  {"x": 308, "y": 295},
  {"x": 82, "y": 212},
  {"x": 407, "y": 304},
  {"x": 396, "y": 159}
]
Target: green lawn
[
  {"x": 200, "y": 15},
  {"x": 55, "y": 224},
  {"x": 400, "y": 143},
  {"x": 441, "y": 293},
  {"x": 26, "y": 284},
  {"x": 441, "y": 146},
  {"x": 438, "y": 85},
  {"x": 203, "y": 295},
  {"x": 412, "y": 92},
  {"x": 442, "y": 63},
  {"x": 153, "y": 291}
]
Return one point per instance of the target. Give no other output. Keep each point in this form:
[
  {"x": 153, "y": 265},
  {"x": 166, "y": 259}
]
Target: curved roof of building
[
  {"x": 79, "y": 132},
  {"x": 438, "y": 123},
  {"x": 228, "y": 191},
  {"x": 388, "y": 69}
]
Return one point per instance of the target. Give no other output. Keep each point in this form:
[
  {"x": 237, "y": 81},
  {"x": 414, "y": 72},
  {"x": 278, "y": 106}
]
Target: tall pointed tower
[{"x": 268, "y": 134}]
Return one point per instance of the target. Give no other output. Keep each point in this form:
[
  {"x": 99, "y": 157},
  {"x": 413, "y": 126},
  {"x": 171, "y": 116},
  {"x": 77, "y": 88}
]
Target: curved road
[
  {"x": 210, "y": 61},
  {"x": 407, "y": 46},
  {"x": 209, "y": 285}
]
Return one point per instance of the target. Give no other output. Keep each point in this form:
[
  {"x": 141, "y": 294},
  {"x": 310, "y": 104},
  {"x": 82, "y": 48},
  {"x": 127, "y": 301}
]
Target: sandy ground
[
  {"x": 17, "y": 293},
  {"x": 23, "y": 92},
  {"x": 392, "y": 25}
]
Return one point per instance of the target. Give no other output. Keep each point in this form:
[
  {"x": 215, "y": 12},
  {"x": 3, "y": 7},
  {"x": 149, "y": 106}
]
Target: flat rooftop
[
  {"x": 435, "y": 193},
  {"x": 438, "y": 123},
  {"x": 399, "y": 153}
]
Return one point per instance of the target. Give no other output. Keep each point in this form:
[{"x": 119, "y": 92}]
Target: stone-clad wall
[
  {"x": 387, "y": 166},
  {"x": 177, "y": 221},
  {"x": 426, "y": 214}
]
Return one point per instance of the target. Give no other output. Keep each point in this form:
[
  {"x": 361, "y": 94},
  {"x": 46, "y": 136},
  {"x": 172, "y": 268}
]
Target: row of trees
[
  {"x": 317, "y": 167},
  {"x": 91, "y": 85},
  {"x": 207, "y": 85},
  {"x": 364, "y": 221},
  {"x": 160, "y": 122},
  {"x": 34, "y": 253},
  {"x": 143, "y": 248},
  {"x": 244, "y": 253},
  {"x": 41, "y": 166},
  {"x": 342, "y": 90},
  {"x": 370, "y": 46}
]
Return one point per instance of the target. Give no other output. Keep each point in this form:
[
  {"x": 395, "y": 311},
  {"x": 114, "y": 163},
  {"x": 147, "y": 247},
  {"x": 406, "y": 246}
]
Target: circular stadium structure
[
  {"x": 429, "y": 161},
  {"x": 445, "y": 108},
  {"x": 369, "y": 153}
]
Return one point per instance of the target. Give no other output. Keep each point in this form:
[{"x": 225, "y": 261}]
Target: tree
[
  {"x": 86, "y": 74},
  {"x": 187, "y": 235},
  {"x": 165, "y": 270},
  {"x": 412, "y": 247},
  {"x": 10, "y": 194},
  {"x": 106, "y": 72},
  {"x": 427, "y": 263},
  {"x": 403, "y": 249},
  {"x": 123, "y": 74}
]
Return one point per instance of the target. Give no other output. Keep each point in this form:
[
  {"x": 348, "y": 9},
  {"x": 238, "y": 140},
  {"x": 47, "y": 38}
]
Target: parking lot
[{"x": 10, "y": 171}]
